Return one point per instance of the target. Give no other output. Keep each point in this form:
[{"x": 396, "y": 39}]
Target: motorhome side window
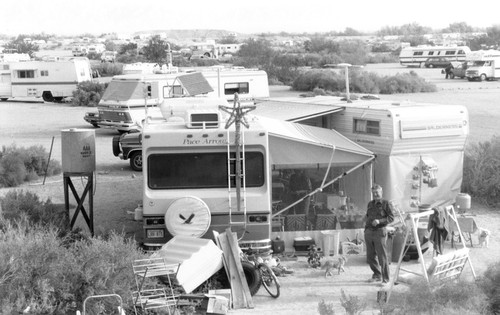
[
  {"x": 201, "y": 170},
  {"x": 26, "y": 74},
  {"x": 236, "y": 87},
  {"x": 169, "y": 91},
  {"x": 431, "y": 53},
  {"x": 365, "y": 126},
  {"x": 450, "y": 52},
  {"x": 418, "y": 53},
  {"x": 44, "y": 73}
]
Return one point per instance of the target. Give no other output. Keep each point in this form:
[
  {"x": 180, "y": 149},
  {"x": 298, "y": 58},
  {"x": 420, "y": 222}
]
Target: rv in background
[
  {"x": 122, "y": 107},
  {"x": 483, "y": 65},
  {"x": 419, "y": 147},
  {"x": 50, "y": 80},
  {"x": 418, "y": 56}
]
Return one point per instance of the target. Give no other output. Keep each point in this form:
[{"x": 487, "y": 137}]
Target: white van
[{"x": 483, "y": 65}]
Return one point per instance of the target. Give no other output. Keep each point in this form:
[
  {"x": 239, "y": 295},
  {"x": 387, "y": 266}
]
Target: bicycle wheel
[{"x": 269, "y": 280}]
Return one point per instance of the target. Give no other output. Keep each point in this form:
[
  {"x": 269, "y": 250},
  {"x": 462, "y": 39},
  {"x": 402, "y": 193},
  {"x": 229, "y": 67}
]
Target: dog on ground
[
  {"x": 335, "y": 265},
  {"x": 484, "y": 237}
]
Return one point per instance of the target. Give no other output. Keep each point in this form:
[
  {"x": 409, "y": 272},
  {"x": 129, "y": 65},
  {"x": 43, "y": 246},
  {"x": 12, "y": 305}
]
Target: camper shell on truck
[
  {"x": 122, "y": 107},
  {"x": 483, "y": 65},
  {"x": 419, "y": 146},
  {"x": 50, "y": 80}
]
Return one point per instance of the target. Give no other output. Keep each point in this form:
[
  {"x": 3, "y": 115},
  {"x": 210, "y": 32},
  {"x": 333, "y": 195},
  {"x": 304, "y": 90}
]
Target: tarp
[
  {"x": 294, "y": 145},
  {"x": 295, "y": 110}
]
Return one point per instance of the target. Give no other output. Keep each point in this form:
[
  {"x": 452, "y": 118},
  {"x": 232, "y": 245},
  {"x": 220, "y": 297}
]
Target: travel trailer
[
  {"x": 50, "y": 80},
  {"x": 122, "y": 107},
  {"x": 483, "y": 65},
  {"x": 418, "y": 56},
  {"x": 419, "y": 147},
  {"x": 191, "y": 159}
]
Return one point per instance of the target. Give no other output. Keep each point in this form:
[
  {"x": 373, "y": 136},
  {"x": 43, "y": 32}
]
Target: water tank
[
  {"x": 78, "y": 150},
  {"x": 463, "y": 202}
]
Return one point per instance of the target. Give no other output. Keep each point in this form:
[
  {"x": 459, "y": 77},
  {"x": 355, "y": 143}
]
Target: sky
[{"x": 75, "y": 17}]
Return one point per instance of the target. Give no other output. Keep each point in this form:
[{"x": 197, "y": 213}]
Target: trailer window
[
  {"x": 201, "y": 170},
  {"x": 26, "y": 74},
  {"x": 236, "y": 87},
  {"x": 365, "y": 126},
  {"x": 418, "y": 53},
  {"x": 431, "y": 53},
  {"x": 44, "y": 73},
  {"x": 450, "y": 52}
]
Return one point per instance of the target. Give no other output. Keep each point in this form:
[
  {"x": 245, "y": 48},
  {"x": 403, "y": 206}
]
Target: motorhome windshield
[
  {"x": 201, "y": 170},
  {"x": 479, "y": 63}
]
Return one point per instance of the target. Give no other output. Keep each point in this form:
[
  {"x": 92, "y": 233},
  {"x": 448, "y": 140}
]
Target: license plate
[{"x": 155, "y": 233}]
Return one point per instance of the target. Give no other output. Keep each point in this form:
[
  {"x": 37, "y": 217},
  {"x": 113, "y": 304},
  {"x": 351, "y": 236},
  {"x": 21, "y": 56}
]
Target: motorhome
[
  {"x": 122, "y": 107},
  {"x": 419, "y": 147},
  {"x": 483, "y": 65},
  {"x": 191, "y": 166},
  {"x": 50, "y": 80},
  {"x": 418, "y": 56}
]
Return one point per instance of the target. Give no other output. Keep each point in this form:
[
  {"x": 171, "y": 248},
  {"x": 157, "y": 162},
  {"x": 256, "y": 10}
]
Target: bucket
[
  {"x": 463, "y": 202},
  {"x": 138, "y": 213},
  {"x": 397, "y": 246},
  {"x": 330, "y": 242}
]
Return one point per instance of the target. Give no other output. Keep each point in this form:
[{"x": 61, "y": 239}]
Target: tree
[
  {"x": 156, "y": 50},
  {"x": 459, "y": 27},
  {"x": 22, "y": 46}
]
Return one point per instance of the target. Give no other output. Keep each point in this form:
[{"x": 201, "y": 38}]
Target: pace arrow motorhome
[
  {"x": 483, "y": 65},
  {"x": 189, "y": 174},
  {"x": 122, "y": 107},
  {"x": 417, "y": 56},
  {"x": 50, "y": 80}
]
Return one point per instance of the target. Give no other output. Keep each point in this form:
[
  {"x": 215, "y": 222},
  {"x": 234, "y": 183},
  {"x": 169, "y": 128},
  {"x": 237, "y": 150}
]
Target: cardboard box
[
  {"x": 301, "y": 244},
  {"x": 217, "y": 305}
]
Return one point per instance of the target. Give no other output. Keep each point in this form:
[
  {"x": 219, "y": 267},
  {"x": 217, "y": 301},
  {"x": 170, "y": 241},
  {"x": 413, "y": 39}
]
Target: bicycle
[{"x": 258, "y": 273}]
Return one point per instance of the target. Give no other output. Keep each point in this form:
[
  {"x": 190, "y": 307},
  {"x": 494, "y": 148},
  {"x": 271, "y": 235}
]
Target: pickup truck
[
  {"x": 458, "y": 70},
  {"x": 129, "y": 146}
]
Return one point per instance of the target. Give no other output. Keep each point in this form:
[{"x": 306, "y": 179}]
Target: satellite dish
[{"x": 188, "y": 216}]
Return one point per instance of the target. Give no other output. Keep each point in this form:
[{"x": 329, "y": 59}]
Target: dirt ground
[{"x": 118, "y": 190}]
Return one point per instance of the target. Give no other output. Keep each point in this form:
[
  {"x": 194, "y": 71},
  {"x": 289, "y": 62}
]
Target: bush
[
  {"x": 107, "y": 69},
  {"x": 490, "y": 284},
  {"x": 18, "y": 165},
  {"x": 481, "y": 178},
  {"x": 88, "y": 94},
  {"x": 362, "y": 82}
]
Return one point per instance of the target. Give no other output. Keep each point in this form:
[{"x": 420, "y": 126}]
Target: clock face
[{"x": 188, "y": 216}]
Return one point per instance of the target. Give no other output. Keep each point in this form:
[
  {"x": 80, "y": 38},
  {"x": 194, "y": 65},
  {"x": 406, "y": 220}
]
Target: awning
[
  {"x": 294, "y": 145},
  {"x": 296, "y": 109}
]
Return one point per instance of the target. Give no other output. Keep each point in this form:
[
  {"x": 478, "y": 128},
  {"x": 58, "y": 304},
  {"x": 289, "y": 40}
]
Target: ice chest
[{"x": 302, "y": 243}]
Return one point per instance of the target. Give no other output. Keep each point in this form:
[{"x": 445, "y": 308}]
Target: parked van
[
  {"x": 483, "y": 65},
  {"x": 422, "y": 56}
]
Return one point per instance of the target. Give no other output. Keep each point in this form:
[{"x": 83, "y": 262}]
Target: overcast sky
[{"x": 74, "y": 17}]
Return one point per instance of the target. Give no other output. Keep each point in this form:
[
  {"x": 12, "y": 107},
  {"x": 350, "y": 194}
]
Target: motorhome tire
[
  {"x": 58, "y": 99},
  {"x": 47, "y": 96},
  {"x": 252, "y": 274},
  {"x": 136, "y": 161},
  {"x": 483, "y": 77},
  {"x": 116, "y": 145}
]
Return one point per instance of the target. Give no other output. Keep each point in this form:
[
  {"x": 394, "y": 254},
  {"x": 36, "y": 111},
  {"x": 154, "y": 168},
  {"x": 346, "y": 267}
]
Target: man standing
[
  {"x": 300, "y": 186},
  {"x": 378, "y": 215}
]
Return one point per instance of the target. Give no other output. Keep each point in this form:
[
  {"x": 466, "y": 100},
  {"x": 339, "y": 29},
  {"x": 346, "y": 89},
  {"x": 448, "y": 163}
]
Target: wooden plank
[
  {"x": 221, "y": 241},
  {"x": 233, "y": 242}
]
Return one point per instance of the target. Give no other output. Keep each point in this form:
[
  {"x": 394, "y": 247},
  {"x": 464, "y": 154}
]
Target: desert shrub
[
  {"x": 352, "y": 304},
  {"x": 108, "y": 69},
  {"x": 490, "y": 284},
  {"x": 450, "y": 298},
  {"x": 481, "y": 178},
  {"x": 362, "y": 82},
  {"x": 37, "y": 271},
  {"x": 88, "y": 94},
  {"x": 325, "y": 308},
  {"x": 18, "y": 165},
  {"x": 20, "y": 204}
]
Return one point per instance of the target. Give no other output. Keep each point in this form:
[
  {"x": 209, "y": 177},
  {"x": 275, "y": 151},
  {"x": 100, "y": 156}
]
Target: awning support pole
[{"x": 320, "y": 189}]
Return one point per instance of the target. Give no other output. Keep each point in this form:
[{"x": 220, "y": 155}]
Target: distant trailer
[
  {"x": 417, "y": 56},
  {"x": 50, "y": 80}
]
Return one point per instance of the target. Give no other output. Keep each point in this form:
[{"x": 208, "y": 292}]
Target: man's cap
[{"x": 376, "y": 187}]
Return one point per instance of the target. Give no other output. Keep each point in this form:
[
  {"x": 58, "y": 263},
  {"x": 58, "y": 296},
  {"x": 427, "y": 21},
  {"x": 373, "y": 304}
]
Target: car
[
  {"x": 458, "y": 70},
  {"x": 92, "y": 118},
  {"x": 128, "y": 146},
  {"x": 436, "y": 62}
]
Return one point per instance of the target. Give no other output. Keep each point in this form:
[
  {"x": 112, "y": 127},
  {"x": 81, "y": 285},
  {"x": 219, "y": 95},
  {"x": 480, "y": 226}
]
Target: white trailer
[
  {"x": 122, "y": 107},
  {"x": 50, "y": 80},
  {"x": 483, "y": 65},
  {"x": 417, "y": 56},
  {"x": 419, "y": 147}
]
